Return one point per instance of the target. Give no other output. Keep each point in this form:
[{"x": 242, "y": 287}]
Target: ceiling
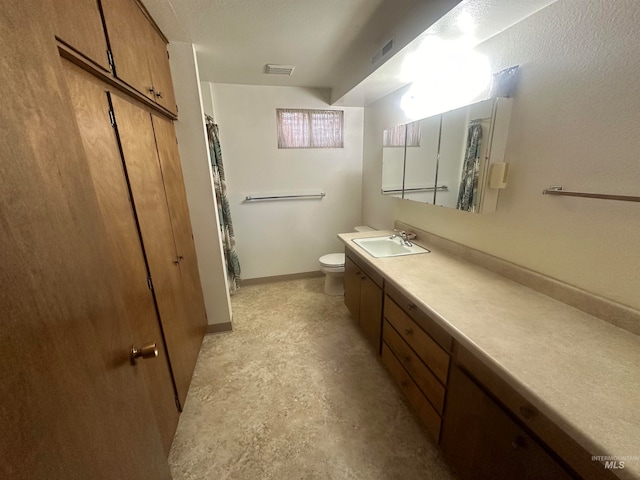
[{"x": 330, "y": 42}]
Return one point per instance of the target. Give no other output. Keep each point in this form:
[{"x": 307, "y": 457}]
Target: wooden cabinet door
[
  {"x": 352, "y": 282},
  {"x": 127, "y": 30},
  {"x": 371, "y": 311},
  {"x": 173, "y": 180},
  {"x": 145, "y": 179},
  {"x": 482, "y": 442},
  {"x": 78, "y": 24},
  {"x": 91, "y": 106},
  {"x": 160, "y": 70},
  {"x": 71, "y": 404}
]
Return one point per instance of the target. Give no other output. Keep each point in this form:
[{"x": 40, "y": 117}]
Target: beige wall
[
  {"x": 288, "y": 236},
  {"x": 194, "y": 157},
  {"x": 575, "y": 122}
]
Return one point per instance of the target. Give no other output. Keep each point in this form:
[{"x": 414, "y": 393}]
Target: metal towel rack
[
  {"x": 293, "y": 196},
  {"x": 559, "y": 190},
  {"x": 443, "y": 188}
]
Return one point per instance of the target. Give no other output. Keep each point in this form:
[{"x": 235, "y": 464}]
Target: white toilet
[{"x": 332, "y": 265}]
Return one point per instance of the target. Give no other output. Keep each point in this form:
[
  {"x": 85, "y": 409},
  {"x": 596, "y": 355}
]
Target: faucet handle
[{"x": 399, "y": 233}]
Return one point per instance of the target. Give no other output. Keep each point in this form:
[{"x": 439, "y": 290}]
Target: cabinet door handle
[
  {"x": 159, "y": 94},
  {"x": 408, "y": 331},
  {"x": 411, "y": 306},
  {"x": 519, "y": 442},
  {"x": 151, "y": 90},
  {"x": 526, "y": 412}
]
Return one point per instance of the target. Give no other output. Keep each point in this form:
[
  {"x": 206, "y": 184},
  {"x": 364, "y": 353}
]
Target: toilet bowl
[{"x": 332, "y": 265}]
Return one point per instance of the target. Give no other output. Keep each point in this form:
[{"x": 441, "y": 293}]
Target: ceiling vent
[
  {"x": 273, "y": 69},
  {"x": 383, "y": 52}
]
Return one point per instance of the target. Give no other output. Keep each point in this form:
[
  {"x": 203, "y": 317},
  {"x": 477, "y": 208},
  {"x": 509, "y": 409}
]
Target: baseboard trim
[
  {"x": 280, "y": 278},
  {"x": 218, "y": 328}
]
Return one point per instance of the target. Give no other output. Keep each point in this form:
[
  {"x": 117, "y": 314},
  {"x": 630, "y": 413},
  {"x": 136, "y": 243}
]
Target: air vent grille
[
  {"x": 387, "y": 47},
  {"x": 273, "y": 69}
]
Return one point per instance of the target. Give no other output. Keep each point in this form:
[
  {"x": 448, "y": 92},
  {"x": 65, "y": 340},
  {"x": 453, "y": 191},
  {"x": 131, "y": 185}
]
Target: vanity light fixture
[{"x": 447, "y": 75}]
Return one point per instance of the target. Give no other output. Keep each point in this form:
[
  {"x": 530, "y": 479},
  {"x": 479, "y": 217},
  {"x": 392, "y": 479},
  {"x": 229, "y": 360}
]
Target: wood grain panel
[
  {"x": 483, "y": 443},
  {"x": 424, "y": 378},
  {"x": 173, "y": 180},
  {"x": 428, "y": 350},
  {"x": 145, "y": 178},
  {"x": 71, "y": 405},
  {"x": 161, "y": 71},
  {"x": 430, "y": 418},
  {"x": 78, "y": 23},
  {"x": 371, "y": 311},
  {"x": 551, "y": 434},
  {"x": 352, "y": 288},
  {"x": 428, "y": 324},
  {"x": 91, "y": 106},
  {"x": 129, "y": 40}
]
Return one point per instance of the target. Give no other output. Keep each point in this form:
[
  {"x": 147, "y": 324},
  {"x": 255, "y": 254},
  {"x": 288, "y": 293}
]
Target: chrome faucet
[{"x": 404, "y": 240}]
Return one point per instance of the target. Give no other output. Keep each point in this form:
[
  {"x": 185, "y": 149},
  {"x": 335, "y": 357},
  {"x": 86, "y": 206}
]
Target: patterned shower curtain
[
  {"x": 468, "y": 193},
  {"x": 224, "y": 212}
]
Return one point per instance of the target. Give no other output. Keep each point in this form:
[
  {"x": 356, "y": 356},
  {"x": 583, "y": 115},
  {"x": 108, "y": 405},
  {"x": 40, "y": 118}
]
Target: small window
[{"x": 310, "y": 128}]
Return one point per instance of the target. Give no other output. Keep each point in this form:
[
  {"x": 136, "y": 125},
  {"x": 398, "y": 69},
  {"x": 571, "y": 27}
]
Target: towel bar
[
  {"x": 558, "y": 190},
  {"x": 262, "y": 198}
]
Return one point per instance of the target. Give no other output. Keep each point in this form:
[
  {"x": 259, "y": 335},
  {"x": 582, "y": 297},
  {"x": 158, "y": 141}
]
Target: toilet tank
[{"x": 364, "y": 228}]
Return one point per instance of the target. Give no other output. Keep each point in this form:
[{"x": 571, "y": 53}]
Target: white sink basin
[{"x": 387, "y": 247}]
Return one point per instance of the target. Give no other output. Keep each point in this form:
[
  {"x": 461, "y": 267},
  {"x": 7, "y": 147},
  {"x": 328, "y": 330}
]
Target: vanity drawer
[
  {"x": 426, "y": 347},
  {"x": 429, "y": 416},
  {"x": 424, "y": 378},
  {"x": 429, "y": 325}
]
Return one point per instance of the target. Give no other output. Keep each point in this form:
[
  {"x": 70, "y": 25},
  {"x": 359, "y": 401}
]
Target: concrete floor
[{"x": 294, "y": 392}]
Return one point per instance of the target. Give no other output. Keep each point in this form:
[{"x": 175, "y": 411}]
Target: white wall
[
  {"x": 377, "y": 209},
  {"x": 194, "y": 156},
  {"x": 575, "y": 122},
  {"x": 285, "y": 237}
]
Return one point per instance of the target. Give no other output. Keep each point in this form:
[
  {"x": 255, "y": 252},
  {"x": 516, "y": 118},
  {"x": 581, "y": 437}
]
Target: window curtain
[
  {"x": 468, "y": 193},
  {"x": 224, "y": 212},
  {"x": 399, "y": 135},
  {"x": 310, "y": 128}
]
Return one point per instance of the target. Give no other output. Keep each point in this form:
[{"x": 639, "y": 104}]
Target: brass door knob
[{"x": 149, "y": 350}]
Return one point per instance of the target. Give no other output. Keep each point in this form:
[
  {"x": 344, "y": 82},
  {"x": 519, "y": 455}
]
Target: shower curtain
[
  {"x": 468, "y": 193},
  {"x": 224, "y": 212}
]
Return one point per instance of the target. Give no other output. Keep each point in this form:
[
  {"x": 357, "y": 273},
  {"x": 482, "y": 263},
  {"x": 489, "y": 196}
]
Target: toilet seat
[{"x": 332, "y": 260}]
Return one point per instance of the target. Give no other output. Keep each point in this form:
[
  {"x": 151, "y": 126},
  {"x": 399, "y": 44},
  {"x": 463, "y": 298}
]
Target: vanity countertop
[{"x": 580, "y": 371}]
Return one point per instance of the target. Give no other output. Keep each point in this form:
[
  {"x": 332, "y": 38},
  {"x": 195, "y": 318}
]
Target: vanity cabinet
[
  {"x": 363, "y": 298},
  {"x": 482, "y": 441},
  {"x": 415, "y": 350}
]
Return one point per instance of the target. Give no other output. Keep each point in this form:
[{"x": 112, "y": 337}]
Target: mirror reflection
[{"x": 445, "y": 159}]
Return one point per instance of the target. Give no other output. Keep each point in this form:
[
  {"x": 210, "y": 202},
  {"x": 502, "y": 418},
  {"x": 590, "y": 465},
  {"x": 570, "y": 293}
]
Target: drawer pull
[
  {"x": 407, "y": 359},
  {"x": 408, "y": 331},
  {"x": 518, "y": 443},
  {"x": 526, "y": 412},
  {"x": 411, "y": 306}
]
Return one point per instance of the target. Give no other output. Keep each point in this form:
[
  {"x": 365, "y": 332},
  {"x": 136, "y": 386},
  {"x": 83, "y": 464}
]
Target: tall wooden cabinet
[
  {"x": 78, "y": 24},
  {"x": 98, "y": 251},
  {"x": 183, "y": 323},
  {"x": 139, "y": 51}
]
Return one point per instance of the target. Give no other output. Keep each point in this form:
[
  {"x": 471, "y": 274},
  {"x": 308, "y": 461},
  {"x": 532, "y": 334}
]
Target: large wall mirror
[{"x": 446, "y": 159}]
